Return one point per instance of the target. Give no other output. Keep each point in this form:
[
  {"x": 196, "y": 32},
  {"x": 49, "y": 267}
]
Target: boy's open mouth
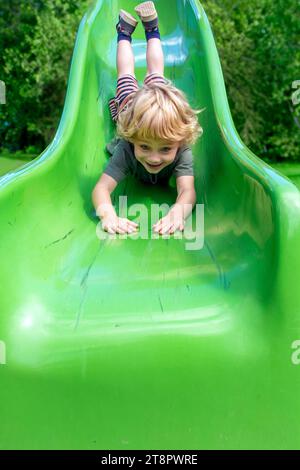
[{"x": 152, "y": 165}]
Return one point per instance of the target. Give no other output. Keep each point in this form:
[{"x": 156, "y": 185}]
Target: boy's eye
[{"x": 163, "y": 149}]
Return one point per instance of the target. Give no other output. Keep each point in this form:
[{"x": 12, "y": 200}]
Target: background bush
[
  {"x": 36, "y": 43},
  {"x": 259, "y": 46},
  {"x": 258, "y": 42}
]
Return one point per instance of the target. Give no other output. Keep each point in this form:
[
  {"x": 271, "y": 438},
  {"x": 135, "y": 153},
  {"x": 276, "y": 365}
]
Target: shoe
[
  {"x": 146, "y": 11},
  {"x": 148, "y": 15},
  {"x": 126, "y": 24}
]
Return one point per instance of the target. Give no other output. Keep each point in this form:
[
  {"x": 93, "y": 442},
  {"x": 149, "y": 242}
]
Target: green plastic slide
[{"x": 123, "y": 343}]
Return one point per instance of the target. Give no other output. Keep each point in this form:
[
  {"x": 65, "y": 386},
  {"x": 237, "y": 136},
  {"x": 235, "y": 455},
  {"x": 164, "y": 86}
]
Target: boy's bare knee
[
  {"x": 123, "y": 74},
  {"x": 154, "y": 70}
]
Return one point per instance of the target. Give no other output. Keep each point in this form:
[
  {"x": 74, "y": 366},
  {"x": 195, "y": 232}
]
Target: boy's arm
[
  {"x": 186, "y": 198},
  {"x": 101, "y": 196},
  {"x": 181, "y": 209},
  {"x": 184, "y": 173},
  {"x": 115, "y": 170},
  {"x": 106, "y": 211}
]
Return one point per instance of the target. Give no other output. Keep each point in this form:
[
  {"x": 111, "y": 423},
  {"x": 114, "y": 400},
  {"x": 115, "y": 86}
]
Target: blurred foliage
[
  {"x": 258, "y": 42},
  {"x": 36, "y": 43},
  {"x": 259, "y": 46}
]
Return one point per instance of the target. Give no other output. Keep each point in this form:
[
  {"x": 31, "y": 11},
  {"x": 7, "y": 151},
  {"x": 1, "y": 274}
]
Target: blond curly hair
[{"x": 159, "y": 111}]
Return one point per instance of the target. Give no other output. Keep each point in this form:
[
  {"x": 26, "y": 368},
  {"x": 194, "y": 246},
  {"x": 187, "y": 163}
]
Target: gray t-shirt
[{"x": 123, "y": 162}]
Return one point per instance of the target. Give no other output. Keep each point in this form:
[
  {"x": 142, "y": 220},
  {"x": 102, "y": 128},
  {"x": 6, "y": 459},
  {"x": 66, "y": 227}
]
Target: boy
[{"x": 155, "y": 125}]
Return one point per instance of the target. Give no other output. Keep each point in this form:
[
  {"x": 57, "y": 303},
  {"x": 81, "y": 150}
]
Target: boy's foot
[
  {"x": 126, "y": 24},
  {"x": 148, "y": 15}
]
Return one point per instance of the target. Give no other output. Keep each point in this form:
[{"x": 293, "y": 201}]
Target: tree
[
  {"x": 259, "y": 47},
  {"x": 36, "y": 46}
]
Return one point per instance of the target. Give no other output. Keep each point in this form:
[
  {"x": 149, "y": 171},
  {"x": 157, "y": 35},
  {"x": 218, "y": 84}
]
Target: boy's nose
[{"x": 154, "y": 159}]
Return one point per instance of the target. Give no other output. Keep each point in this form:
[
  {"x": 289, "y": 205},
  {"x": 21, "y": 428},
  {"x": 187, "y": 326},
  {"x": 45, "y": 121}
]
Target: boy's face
[{"x": 154, "y": 155}]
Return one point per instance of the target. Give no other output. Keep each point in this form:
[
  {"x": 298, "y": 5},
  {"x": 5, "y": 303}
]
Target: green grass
[
  {"x": 290, "y": 170},
  {"x": 9, "y": 162}
]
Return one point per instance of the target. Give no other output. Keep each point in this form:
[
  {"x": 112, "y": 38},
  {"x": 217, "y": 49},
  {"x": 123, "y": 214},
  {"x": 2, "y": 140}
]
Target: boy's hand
[
  {"x": 114, "y": 224},
  {"x": 168, "y": 224}
]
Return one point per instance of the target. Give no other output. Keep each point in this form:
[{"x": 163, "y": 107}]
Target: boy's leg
[
  {"x": 125, "y": 58},
  {"x": 126, "y": 82},
  {"x": 154, "y": 55}
]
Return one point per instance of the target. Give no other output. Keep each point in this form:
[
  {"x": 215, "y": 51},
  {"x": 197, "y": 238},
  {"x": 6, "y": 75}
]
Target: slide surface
[{"x": 114, "y": 343}]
